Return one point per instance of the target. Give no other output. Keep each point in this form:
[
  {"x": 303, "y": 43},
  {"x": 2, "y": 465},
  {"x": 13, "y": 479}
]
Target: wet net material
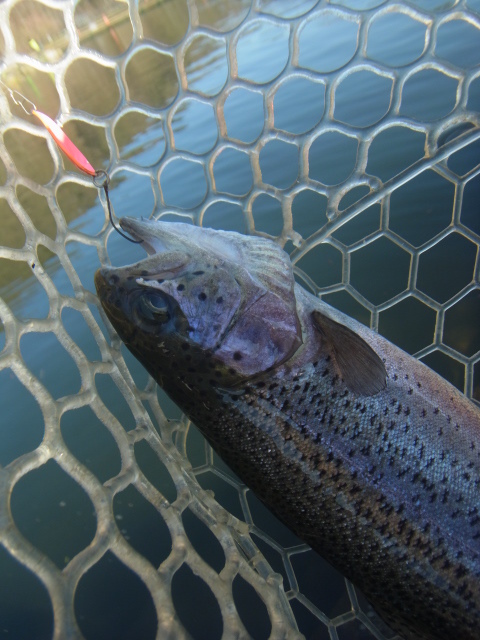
[{"x": 156, "y": 535}]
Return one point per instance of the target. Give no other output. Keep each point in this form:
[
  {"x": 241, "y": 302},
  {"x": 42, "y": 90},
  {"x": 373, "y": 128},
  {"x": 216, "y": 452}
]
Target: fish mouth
[
  {"x": 142, "y": 230},
  {"x": 107, "y": 277},
  {"x": 157, "y": 240}
]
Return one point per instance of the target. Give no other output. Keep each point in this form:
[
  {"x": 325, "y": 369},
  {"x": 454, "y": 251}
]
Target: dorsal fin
[{"x": 360, "y": 367}]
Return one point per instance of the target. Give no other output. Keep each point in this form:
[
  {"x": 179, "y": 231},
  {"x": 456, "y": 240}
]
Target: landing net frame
[{"x": 444, "y": 140}]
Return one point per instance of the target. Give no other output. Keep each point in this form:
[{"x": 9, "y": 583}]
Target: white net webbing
[{"x": 203, "y": 109}]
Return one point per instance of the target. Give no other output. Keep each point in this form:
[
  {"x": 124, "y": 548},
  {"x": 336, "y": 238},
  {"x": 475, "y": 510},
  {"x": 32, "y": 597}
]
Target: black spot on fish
[
  {"x": 180, "y": 287},
  {"x": 237, "y": 355},
  {"x": 198, "y": 273},
  {"x": 202, "y": 296},
  {"x": 219, "y": 300}
]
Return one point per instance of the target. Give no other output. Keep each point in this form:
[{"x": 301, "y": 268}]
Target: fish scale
[
  {"x": 366, "y": 454},
  {"x": 378, "y": 540}
]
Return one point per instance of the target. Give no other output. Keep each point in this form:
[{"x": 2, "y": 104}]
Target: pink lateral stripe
[{"x": 65, "y": 144}]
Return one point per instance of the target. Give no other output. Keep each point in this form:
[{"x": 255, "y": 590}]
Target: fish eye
[
  {"x": 155, "y": 306},
  {"x": 156, "y": 302}
]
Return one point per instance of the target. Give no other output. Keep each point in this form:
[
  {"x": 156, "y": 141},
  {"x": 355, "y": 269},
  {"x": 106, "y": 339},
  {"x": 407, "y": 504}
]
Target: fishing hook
[
  {"x": 101, "y": 180},
  {"x": 100, "y": 177}
]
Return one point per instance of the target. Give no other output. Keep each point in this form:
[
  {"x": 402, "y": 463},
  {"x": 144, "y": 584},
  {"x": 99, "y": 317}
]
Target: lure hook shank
[{"x": 100, "y": 178}]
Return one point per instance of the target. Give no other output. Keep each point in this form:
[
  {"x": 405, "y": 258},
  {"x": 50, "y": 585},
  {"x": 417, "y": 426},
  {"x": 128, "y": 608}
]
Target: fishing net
[{"x": 116, "y": 519}]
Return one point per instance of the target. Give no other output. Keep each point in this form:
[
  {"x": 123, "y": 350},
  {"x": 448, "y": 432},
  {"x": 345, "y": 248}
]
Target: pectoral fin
[{"x": 360, "y": 367}]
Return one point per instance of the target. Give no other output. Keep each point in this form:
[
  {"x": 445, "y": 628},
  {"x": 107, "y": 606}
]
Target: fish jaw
[{"x": 226, "y": 295}]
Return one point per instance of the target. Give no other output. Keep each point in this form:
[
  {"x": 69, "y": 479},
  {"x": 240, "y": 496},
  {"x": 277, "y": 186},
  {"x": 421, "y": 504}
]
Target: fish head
[{"x": 203, "y": 301}]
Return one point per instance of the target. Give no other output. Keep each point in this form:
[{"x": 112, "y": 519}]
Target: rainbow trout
[{"x": 366, "y": 454}]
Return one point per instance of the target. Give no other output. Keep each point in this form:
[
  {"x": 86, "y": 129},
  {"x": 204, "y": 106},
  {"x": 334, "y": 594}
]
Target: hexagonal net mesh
[{"x": 350, "y": 132}]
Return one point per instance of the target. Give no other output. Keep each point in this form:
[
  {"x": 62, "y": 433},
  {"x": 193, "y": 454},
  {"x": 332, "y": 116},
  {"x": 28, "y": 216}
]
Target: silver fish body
[{"x": 361, "y": 450}]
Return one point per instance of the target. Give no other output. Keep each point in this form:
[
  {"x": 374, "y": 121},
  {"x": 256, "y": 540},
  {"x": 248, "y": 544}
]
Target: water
[{"x": 204, "y": 164}]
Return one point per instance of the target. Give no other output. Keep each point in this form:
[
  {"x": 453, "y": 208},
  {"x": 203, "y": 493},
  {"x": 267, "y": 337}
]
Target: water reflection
[
  {"x": 140, "y": 138},
  {"x": 408, "y": 44},
  {"x": 244, "y": 114},
  {"x": 262, "y": 51},
  {"x": 206, "y": 65},
  {"x": 327, "y": 42},
  {"x": 164, "y": 21},
  {"x": 151, "y": 78},
  {"x": 103, "y": 26},
  {"x": 30, "y": 154},
  {"x": 222, "y": 15},
  {"x": 92, "y": 87},
  {"x": 298, "y": 104},
  {"x": 37, "y": 207},
  {"x": 39, "y": 31},
  {"x": 194, "y": 126},
  {"x": 429, "y": 95},
  {"x": 13, "y": 235}
]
